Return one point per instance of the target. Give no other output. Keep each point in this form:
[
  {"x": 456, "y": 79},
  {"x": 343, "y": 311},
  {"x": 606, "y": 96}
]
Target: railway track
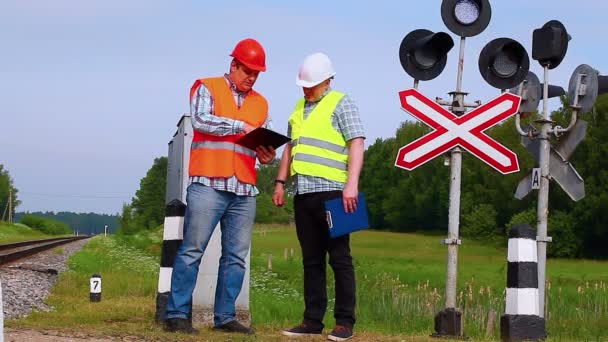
[{"x": 17, "y": 250}]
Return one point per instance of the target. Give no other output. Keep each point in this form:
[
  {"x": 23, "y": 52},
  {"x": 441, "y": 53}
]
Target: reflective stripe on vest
[
  {"x": 223, "y": 145},
  {"x": 320, "y": 160},
  {"x": 318, "y": 149},
  {"x": 321, "y": 144}
]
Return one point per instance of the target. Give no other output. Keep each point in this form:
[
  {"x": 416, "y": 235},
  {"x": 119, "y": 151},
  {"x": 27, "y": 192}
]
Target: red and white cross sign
[{"x": 450, "y": 131}]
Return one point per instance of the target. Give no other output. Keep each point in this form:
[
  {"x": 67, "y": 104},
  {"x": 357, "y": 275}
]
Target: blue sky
[{"x": 90, "y": 91}]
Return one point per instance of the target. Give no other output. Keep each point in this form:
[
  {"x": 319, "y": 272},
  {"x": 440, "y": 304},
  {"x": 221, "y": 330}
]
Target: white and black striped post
[
  {"x": 172, "y": 239},
  {"x": 522, "y": 320}
]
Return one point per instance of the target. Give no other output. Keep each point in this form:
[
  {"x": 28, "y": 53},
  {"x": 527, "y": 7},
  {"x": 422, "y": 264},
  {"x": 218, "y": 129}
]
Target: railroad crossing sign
[
  {"x": 451, "y": 130},
  {"x": 560, "y": 168}
]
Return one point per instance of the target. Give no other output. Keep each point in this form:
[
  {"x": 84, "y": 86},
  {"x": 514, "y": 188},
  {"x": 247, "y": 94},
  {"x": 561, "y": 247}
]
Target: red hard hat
[{"x": 251, "y": 53}]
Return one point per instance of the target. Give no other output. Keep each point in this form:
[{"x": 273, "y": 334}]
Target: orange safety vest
[{"x": 215, "y": 156}]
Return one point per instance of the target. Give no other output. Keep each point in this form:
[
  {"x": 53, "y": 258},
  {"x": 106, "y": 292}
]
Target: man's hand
[
  {"x": 265, "y": 155},
  {"x": 278, "y": 196},
  {"x": 247, "y": 128},
  {"x": 350, "y": 197}
]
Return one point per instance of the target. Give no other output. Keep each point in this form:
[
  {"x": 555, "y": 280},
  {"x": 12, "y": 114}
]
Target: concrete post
[
  {"x": 204, "y": 293},
  {"x": 522, "y": 320}
]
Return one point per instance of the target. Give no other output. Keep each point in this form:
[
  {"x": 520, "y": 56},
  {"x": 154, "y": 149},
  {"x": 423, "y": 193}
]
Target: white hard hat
[{"x": 315, "y": 69}]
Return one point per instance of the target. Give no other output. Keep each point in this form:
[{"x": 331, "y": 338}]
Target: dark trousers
[{"x": 313, "y": 234}]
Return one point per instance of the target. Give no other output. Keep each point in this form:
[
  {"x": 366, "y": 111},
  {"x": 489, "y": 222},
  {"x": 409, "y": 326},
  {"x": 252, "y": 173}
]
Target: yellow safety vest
[{"x": 317, "y": 148}]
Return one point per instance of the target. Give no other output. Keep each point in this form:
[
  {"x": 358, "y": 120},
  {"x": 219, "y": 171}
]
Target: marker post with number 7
[{"x": 95, "y": 295}]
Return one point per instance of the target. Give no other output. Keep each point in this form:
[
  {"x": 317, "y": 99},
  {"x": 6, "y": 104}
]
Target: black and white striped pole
[
  {"x": 522, "y": 319},
  {"x": 95, "y": 284},
  {"x": 172, "y": 239}
]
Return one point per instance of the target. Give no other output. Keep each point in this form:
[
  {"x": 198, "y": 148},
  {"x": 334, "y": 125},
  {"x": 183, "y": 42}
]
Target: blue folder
[{"x": 342, "y": 223}]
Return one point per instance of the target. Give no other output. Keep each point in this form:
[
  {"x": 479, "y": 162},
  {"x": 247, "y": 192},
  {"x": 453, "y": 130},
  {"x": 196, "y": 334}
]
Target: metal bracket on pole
[
  {"x": 443, "y": 102},
  {"x": 544, "y": 121},
  {"x": 545, "y": 239},
  {"x": 532, "y": 131},
  {"x": 460, "y": 106},
  {"x": 581, "y": 90},
  {"x": 452, "y": 242}
]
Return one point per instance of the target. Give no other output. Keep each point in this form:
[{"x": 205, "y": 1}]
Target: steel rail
[{"x": 17, "y": 250}]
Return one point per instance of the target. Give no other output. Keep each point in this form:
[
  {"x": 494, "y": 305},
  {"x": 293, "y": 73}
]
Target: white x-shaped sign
[{"x": 466, "y": 131}]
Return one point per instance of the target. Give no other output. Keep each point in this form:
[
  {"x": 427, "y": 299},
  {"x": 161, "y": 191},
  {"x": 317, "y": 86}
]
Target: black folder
[{"x": 262, "y": 137}]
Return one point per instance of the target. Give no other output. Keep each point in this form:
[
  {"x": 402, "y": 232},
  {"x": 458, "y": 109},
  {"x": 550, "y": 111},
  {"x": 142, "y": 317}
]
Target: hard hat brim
[
  {"x": 308, "y": 84},
  {"x": 249, "y": 65}
]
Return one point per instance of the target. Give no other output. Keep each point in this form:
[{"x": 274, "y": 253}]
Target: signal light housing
[
  {"x": 423, "y": 53},
  {"x": 466, "y": 18},
  {"x": 550, "y": 44},
  {"x": 504, "y": 63}
]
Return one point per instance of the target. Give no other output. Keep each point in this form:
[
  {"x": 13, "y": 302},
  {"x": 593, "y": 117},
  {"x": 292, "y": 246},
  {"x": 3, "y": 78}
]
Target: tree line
[
  {"x": 6, "y": 187},
  {"x": 418, "y": 201},
  {"x": 147, "y": 208},
  {"x": 83, "y": 223},
  {"x": 404, "y": 201}
]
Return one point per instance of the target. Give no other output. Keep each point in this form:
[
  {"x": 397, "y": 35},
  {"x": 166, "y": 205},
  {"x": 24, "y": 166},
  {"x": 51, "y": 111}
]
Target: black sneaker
[
  {"x": 234, "y": 327},
  {"x": 340, "y": 333},
  {"x": 302, "y": 330},
  {"x": 180, "y": 325}
]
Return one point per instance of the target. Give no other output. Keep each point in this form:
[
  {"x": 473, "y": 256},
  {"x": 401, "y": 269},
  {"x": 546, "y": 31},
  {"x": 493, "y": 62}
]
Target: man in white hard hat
[{"x": 325, "y": 158}]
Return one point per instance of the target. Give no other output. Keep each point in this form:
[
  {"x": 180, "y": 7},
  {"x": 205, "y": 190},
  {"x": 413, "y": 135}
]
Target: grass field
[
  {"x": 400, "y": 283},
  {"x": 400, "y": 287},
  {"x": 18, "y": 232}
]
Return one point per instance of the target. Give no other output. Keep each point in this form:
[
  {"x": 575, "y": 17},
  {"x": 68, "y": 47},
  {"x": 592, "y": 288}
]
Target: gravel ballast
[{"x": 27, "y": 282}]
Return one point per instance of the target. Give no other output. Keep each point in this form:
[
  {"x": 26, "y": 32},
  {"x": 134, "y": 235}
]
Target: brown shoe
[{"x": 340, "y": 333}]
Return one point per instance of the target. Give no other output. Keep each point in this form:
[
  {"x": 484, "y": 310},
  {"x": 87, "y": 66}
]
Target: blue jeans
[{"x": 205, "y": 208}]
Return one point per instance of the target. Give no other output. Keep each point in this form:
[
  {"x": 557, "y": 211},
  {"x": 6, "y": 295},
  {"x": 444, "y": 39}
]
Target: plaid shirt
[
  {"x": 203, "y": 120},
  {"x": 346, "y": 120}
]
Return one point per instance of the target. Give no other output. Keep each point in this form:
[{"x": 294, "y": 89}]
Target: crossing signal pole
[
  {"x": 423, "y": 55},
  {"x": 504, "y": 64},
  {"x": 549, "y": 47},
  {"x": 465, "y": 18}
]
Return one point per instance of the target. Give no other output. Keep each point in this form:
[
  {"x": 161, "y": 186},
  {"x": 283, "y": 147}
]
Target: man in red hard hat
[{"x": 222, "y": 186}]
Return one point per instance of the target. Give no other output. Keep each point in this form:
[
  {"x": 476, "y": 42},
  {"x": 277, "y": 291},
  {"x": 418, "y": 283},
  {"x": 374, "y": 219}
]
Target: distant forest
[
  {"x": 418, "y": 201},
  {"x": 84, "y": 223}
]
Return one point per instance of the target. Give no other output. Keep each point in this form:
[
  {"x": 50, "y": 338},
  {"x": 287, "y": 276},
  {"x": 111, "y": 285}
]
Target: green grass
[
  {"x": 129, "y": 285},
  {"x": 18, "y": 232},
  {"x": 149, "y": 241},
  {"x": 400, "y": 287}
]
